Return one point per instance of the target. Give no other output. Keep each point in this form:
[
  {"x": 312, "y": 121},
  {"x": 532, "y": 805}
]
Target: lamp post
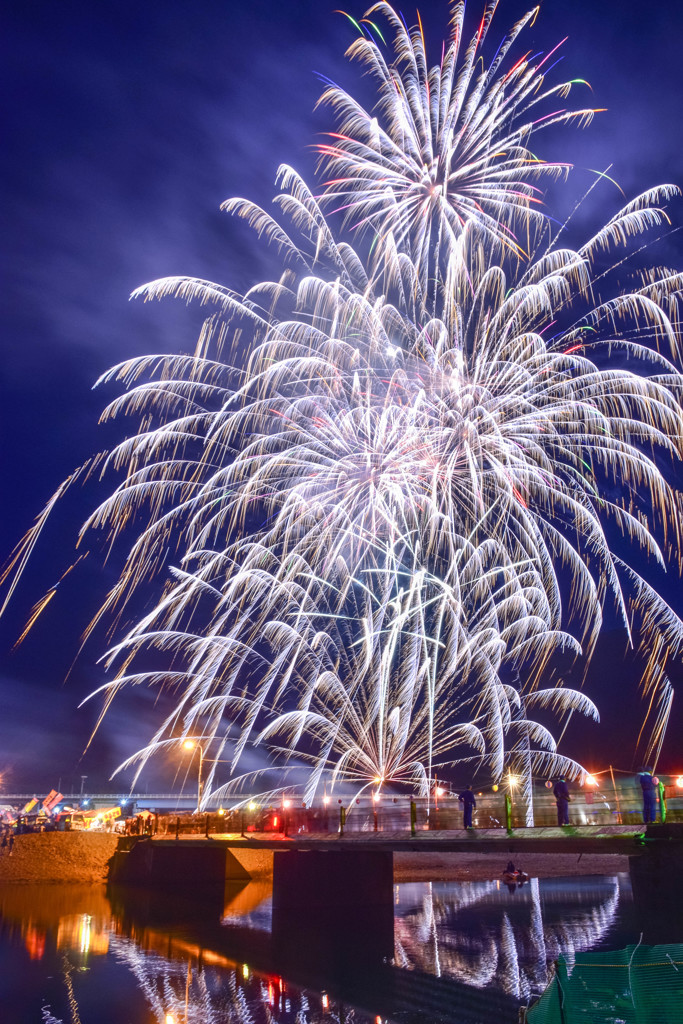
[{"x": 190, "y": 745}]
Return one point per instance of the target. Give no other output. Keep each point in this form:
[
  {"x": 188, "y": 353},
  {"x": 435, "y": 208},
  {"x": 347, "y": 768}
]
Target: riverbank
[
  {"x": 57, "y": 857},
  {"x": 482, "y": 867}
]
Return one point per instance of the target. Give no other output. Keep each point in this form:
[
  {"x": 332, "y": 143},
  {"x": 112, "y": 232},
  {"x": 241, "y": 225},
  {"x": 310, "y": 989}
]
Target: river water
[{"x": 465, "y": 952}]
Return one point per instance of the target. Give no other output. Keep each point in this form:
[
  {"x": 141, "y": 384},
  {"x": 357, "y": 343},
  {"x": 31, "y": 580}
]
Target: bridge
[
  {"x": 345, "y": 882},
  {"x": 131, "y": 803}
]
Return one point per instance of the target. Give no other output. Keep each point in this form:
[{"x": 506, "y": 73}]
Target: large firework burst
[
  {"x": 374, "y": 511},
  {"x": 446, "y": 146}
]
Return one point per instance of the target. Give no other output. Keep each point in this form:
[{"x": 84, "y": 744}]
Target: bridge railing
[{"x": 587, "y": 807}]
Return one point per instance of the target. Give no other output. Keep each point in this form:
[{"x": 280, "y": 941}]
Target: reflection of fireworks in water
[
  {"x": 509, "y": 949},
  {"x": 176, "y": 991},
  {"x": 372, "y": 515},
  {"x": 179, "y": 993}
]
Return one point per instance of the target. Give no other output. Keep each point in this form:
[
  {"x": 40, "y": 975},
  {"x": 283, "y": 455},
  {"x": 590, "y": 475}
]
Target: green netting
[{"x": 636, "y": 985}]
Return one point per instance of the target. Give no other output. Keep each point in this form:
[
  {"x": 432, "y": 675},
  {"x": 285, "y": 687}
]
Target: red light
[{"x": 275, "y": 821}]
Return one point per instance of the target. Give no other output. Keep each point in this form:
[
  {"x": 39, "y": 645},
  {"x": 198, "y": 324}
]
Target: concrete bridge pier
[
  {"x": 333, "y": 910},
  {"x": 657, "y": 883}
]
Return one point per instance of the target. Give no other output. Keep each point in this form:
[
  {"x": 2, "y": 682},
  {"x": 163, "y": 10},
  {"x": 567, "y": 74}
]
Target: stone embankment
[{"x": 58, "y": 857}]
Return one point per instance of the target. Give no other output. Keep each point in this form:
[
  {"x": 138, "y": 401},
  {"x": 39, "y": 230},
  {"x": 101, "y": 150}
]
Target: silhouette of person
[
  {"x": 468, "y": 802},
  {"x": 649, "y": 788},
  {"x": 562, "y": 798}
]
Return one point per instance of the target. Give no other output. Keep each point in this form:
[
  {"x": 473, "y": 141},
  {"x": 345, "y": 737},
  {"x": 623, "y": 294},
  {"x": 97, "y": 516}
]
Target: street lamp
[{"x": 190, "y": 745}]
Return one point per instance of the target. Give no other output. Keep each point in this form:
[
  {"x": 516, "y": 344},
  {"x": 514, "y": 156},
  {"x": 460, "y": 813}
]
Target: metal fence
[{"x": 600, "y": 805}]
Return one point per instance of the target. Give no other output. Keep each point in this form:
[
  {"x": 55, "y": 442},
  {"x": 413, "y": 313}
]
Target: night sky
[{"x": 125, "y": 125}]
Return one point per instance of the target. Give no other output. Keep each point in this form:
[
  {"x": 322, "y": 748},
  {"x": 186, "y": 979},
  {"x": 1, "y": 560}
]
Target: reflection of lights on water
[
  {"x": 85, "y": 933},
  {"x": 325, "y": 1001},
  {"x": 245, "y": 971}
]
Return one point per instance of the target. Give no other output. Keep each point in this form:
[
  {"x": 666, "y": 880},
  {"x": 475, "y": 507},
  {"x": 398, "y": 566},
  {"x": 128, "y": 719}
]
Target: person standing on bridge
[
  {"x": 562, "y": 798},
  {"x": 468, "y": 802},
  {"x": 649, "y": 786}
]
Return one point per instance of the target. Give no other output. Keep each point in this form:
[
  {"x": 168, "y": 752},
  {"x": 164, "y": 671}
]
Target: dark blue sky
[{"x": 125, "y": 125}]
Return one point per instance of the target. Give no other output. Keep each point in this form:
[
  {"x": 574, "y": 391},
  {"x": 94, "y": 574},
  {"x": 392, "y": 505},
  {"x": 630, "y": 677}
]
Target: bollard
[
  {"x": 242, "y": 822},
  {"x": 342, "y": 820},
  {"x": 508, "y": 812},
  {"x": 206, "y": 830},
  {"x": 662, "y": 801},
  {"x": 177, "y": 828},
  {"x": 413, "y": 817}
]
